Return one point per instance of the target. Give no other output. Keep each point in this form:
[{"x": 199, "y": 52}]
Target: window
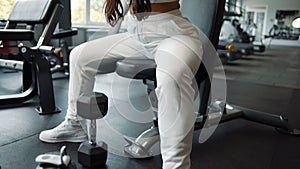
[
  {"x": 5, "y": 8},
  {"x": 88, "y": 12},
  {"x": 234, "y": 7}
]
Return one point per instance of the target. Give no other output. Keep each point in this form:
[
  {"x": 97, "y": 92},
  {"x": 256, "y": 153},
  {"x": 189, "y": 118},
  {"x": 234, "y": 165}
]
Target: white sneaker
[{"x": 68, "y": 131}]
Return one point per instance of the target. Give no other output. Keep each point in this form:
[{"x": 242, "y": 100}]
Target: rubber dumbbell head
[
  {"x": 92, "y": 156},
  {"x": 92, "y": 107}
]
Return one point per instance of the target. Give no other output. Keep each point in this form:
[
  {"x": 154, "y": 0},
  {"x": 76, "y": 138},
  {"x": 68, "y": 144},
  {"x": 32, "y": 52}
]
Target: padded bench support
[{"x": 37, "y": 79}]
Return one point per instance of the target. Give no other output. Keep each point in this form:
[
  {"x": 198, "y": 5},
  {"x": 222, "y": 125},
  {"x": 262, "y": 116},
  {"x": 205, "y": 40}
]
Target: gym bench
[
  {"x": 37, "y": 79},
  {"x": 208, "y": 19}
]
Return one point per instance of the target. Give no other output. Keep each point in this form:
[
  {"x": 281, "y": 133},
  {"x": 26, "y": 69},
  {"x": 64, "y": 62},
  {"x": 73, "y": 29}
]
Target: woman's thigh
[
  {"x": 101, "y": 54},
  {"x": 179, "y": 54}
]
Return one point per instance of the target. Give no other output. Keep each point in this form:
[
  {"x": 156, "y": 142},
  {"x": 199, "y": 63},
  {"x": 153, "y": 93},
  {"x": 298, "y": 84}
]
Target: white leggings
[{"x": 175, "y": 46}]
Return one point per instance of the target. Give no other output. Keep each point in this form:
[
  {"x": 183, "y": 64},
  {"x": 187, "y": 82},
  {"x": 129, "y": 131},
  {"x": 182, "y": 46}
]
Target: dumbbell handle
[{"x": 92, "y": 132}]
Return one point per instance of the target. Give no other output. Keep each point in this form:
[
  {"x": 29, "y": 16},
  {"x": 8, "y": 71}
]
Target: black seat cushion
[
  {"x": 16, "y": 34},
  {"x": 137, "y": 68}
]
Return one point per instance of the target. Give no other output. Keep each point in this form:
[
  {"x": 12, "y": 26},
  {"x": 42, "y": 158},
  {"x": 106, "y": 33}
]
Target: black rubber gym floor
[{"x": 238, "y": 144}]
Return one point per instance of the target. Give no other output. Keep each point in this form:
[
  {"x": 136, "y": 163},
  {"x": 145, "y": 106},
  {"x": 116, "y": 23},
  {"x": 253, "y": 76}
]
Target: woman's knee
[
  {"x": 76, "y": 54},
  {"x": 84, "y": 55}
]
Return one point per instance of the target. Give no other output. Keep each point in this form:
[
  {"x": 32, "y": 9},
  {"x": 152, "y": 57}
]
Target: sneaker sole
[{"x": 72, "y": 140}]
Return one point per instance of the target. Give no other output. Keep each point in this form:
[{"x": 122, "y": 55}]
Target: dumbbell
[{"x": 91, "y": 154}]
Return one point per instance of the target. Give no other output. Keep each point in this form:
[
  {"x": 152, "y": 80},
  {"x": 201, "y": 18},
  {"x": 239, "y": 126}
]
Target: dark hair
[
  {"x": 114, "y": 10},
  {"x": 140, "y": 8}
]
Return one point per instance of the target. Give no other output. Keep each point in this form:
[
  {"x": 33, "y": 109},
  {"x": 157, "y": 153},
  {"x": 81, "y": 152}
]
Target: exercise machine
[
  {"x": 208, "y": 18},
  {"x": 59, "y": 61},
  {"x": 37, "y": 80}
]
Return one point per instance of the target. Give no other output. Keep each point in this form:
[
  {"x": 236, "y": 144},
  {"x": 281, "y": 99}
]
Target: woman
[{"x": 156, "y": 30}]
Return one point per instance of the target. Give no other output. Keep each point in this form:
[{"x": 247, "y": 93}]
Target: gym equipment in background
[
  {"x": 228, "y": 53},
  {"x": 37, "y": 80},
  {"x": 59, "y": 62}
]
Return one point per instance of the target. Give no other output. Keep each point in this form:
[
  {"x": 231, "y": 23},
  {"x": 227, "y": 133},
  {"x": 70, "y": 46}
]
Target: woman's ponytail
[{"x": 113, "y": 11}]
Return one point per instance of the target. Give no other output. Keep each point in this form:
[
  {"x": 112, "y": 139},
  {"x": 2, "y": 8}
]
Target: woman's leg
[
  {"x": 178, "y": 59},
  {"x": 86, "y": 60}
]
